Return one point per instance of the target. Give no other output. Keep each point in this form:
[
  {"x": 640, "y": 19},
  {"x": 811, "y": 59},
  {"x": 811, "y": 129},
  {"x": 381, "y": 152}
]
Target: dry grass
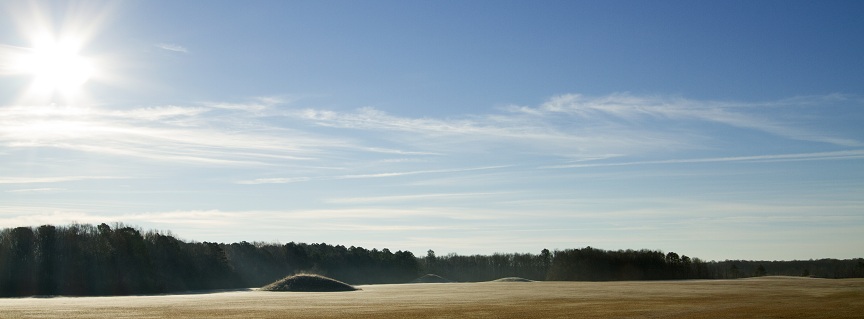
[{"x": 773, "y": 297}]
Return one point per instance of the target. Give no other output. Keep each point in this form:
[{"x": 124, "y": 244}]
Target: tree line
[
  {"x": 592, "y": 264},
  {"x": 98, "y": 260},
  {"x": 82, "y": 259}
]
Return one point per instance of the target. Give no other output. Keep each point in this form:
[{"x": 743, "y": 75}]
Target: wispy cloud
[
  {"x": 255, "y": 105},
  {"x": 249, "y": 107},
  {"x": 738, "y": 114},
  {"x": 275, "y": 180},
  {"x": 156, "y": 113},
  {"x": 409, "y": 198},
  {"x": 52, "y": 179},
  {"x": 279, "y": 180},
  {"x": 482, "y": 126},
  {"x": 482, "y": 133},
  {"x": 164, "y": 133},
  {"x": 819, "y": 156},
  {"x": 36, "y": 190},
  {"x": 437, "y": 171},
  {"x": 264, "y": 132},
  {"x": 577, "y": 126},
  {"x": 172, "y": 47}
]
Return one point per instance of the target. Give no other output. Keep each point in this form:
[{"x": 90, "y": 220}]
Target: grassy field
[{"x": 767, "y": 297}]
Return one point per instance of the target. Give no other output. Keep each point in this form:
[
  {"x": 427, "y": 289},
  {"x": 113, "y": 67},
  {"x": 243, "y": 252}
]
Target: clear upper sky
[{"x": 715, "y": 129}]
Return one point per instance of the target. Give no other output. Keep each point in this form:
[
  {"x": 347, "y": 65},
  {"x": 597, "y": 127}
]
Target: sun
[{"x": 56, "y": 67}]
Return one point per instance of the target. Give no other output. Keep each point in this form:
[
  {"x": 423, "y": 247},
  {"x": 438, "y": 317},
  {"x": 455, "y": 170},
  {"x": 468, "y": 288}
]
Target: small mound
[
  {"x": 512, "y": 279},
  {"x": 308, "y": 283},
  {"x": 431, "y": 278}
]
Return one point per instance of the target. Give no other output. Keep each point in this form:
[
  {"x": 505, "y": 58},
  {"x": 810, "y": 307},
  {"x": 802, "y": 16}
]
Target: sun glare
[
  {"x": 55, "y": 60},
  {"x": 56, "y": 67}
]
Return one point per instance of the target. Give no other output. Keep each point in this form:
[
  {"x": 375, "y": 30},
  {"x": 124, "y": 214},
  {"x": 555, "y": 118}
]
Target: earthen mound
[
  {"x": 512, "y": 279},
  {"x": 308, "y": 283},
  {"x": 431, "y": 278}
]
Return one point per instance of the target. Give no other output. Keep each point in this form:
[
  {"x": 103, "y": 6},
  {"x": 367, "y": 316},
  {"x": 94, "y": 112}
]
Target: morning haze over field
[{"x": 726, "y": 130}]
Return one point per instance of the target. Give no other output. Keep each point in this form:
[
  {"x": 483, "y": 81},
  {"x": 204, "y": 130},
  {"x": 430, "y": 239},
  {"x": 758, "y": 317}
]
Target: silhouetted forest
[{"x": 103, "y": 260}]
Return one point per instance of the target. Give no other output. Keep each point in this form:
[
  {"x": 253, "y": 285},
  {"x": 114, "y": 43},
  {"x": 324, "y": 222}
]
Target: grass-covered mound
[
  {"x": 431, "y": 278},
  {"x": 512, "y": 279},
  {"x": 308, "y": 283}
]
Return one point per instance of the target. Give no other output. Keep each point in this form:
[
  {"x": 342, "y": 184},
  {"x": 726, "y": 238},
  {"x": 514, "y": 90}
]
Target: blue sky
[{"x": 720, "y": 130}]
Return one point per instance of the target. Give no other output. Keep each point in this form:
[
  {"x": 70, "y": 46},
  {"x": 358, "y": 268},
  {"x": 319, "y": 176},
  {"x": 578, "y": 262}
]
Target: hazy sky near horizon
[{"x": 715, "y": 129}]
